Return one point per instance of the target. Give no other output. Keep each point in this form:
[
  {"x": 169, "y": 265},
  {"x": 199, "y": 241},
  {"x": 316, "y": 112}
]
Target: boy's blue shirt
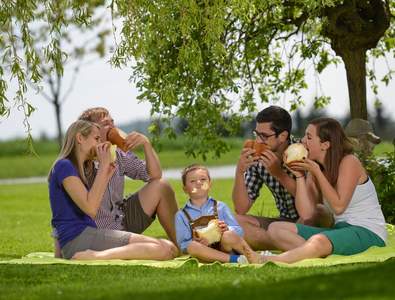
[{"x": 183, "y": 230}]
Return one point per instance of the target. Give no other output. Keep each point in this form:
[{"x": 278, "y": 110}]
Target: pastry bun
[
  {"x": 295, "y": 152},
  {"x": 115, "y": 137},
  {"x": 212, "y": 233},
  {"x": 113, "y": 152},
  {"x": 258, "y": 147}
]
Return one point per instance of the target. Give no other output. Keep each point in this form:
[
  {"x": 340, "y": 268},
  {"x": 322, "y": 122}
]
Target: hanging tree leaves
[
  {"x": 203, "y": 60},
  {"x": 33, "y": 35},
  {"x": 208, "y": 61}
]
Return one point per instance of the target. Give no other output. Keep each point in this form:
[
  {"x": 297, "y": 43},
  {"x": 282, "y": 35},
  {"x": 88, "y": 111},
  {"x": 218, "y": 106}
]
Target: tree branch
[
  {"x": 71, "y": 86},
  {"x": 40, "y": 91},
  {"x": 51, "y": 84},
  {"x": 247, "y": 63}
]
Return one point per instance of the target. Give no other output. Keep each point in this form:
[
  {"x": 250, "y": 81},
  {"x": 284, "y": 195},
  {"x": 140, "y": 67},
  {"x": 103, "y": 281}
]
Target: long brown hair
[
  {"x": 86, "y": 170},
  {"x": 330, "y": 130}
]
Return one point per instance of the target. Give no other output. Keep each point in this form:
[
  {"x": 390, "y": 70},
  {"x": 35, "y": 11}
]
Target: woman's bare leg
[
  {"x": 317, "y": 246},
  {"x": 284, "y": 236},
  {"x": 231, "y": 241},
  {"x": 139, "y": 247}
]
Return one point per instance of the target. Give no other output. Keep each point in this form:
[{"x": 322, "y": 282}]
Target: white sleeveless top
[{"x": 364, "y": 210}]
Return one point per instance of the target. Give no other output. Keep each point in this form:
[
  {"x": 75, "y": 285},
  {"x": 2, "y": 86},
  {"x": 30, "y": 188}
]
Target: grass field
[
  {"x": 25, "y": 228},
  {"x": 25, "y": 214},
  {"x": 16, "y": 163},
  {"x": 22, "y": 165},
  {"x": 30, "y": 166},
  {"x": 362, "y": 281}
]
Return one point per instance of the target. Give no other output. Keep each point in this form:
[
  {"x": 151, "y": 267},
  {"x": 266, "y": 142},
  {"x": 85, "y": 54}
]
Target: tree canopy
[
  {"x": 210, "y": 62},
  {"x": 38, "y": 39},
  {"x": 203, "y": 60}
]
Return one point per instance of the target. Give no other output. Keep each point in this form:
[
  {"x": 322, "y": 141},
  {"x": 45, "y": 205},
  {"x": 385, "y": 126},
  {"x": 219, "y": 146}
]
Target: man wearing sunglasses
[{"x": 273, "y": 128}]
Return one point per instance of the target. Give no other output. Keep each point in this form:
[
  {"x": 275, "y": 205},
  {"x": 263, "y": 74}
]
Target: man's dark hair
[{"x": 279, "y": 118}]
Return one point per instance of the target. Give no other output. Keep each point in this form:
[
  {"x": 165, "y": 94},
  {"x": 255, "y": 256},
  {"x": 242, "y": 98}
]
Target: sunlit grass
[
  {"x": 25, "y": 228},
  {"x": 25, "y": 214},
  {"x": 30, "y": 166}
]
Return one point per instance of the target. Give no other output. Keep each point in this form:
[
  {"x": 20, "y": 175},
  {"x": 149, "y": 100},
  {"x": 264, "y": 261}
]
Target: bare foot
[
  {"x": 85, "y": 255},
  {"x": 252, "y": 256}
]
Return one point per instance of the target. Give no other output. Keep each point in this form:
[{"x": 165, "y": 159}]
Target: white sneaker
[
  {"x": 242, "y": 260},
  {"x": 267, "y": 253}
]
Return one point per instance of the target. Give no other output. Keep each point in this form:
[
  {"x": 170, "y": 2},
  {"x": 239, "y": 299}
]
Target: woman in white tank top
[{"x": 331, "y": 175}]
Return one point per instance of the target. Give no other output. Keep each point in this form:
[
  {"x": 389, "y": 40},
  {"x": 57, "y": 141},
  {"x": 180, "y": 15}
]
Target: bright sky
[{"x": 100, "y": 85}]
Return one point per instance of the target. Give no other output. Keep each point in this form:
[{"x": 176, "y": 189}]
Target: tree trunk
[
  {"x": 354, "y": 27},
  {"x": 58, "y": 122},
  {"x": 355, "y": 63}
]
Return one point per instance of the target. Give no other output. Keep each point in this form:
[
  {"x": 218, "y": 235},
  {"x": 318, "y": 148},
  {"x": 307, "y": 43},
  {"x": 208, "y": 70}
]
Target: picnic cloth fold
[{"x": 373, "y": 254}]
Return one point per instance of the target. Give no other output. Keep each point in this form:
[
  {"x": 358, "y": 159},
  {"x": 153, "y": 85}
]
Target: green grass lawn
[
  {"x": 25, "y": 214},
  {"x": 29, "y": 165},
  {"x": 25, "y": 228}
]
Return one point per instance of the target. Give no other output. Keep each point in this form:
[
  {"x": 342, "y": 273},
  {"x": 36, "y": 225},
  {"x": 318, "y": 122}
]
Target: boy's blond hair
[{"x": 191, "y": 168}]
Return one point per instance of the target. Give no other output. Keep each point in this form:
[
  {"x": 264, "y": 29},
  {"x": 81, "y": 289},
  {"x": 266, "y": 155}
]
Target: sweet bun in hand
[
  {"x": 212, "y": 232},
  {"x": 295, "y": 152},
  {"x": 249, "y": 144},
  {"x": 116, "y": 137},
  {"x": 113, "y": 152},
  {"x": 258, "y": 147}
]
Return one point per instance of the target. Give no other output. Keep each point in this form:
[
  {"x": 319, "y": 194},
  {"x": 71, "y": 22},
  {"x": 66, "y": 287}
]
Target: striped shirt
[
  {"x": 109, "y": 215},
  {"x": 257, "y": 175}
]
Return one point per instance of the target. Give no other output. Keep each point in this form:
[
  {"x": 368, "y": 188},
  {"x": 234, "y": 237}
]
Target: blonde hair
[
  {"x": 191, "y": 168},
  {"x": 68, "y": 149},
  {"x": 94, "y": 114}
]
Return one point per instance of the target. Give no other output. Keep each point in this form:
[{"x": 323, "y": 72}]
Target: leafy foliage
[
  {"x": 210, "y": 62},
  {"x": 382, "y": 173},
  {"x": 35, "y": 44}
]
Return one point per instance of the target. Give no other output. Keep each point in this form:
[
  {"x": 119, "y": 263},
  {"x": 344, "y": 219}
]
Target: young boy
[{"x": 198, "y": 210}]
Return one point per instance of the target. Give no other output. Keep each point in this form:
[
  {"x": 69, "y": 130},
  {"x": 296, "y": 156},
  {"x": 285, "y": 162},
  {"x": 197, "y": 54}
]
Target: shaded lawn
[
  {"x": 24, "y": 228},
  {"x": 363, "y": 281}
]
